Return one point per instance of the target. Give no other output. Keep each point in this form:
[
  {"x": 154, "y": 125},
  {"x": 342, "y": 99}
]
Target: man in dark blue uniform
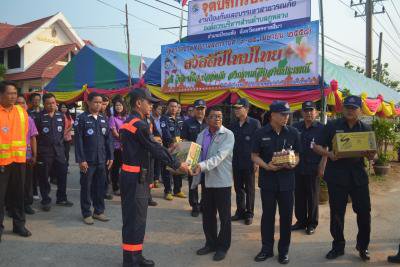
[
  {"x": 276, "y": 182},
  {"x": 135, "y": 180},
  {"x": 243, "y": 167},
  {"x": 346, "y": 177},
  {"x": 50, "y": 150},
  {"x": 93, "y": 151},
  {"x": 190, "y": 130},
  {"x": 309, "y": 171},
  {"x": 171, "y": 126}
]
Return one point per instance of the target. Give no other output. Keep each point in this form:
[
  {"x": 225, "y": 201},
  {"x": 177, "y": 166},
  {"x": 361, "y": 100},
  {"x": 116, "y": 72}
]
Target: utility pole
[
  {"x": 129, "y": 46},
  {"x": 379, "y": 68},
  {"x": 368, "y": 13}
]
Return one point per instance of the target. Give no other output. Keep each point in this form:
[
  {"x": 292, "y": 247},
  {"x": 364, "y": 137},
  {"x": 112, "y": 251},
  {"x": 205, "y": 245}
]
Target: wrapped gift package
[
  {"x": 284, "y": 157},
  {"x": 353, "y": 145},
  {"x": 188, "y": 152}
]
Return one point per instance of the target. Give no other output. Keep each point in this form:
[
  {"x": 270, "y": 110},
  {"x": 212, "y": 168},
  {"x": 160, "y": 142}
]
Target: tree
[
  {"x": 2, "y": 72},
  {"x": 384, "y": 77}
]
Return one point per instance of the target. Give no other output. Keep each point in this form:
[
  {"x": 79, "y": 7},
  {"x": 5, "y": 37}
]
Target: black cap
[
  {"x": 199, "y": 103},
  {"x": 280, "y": 107},
  {"x": 308, "y": 105},
  {"x": 242, "y": 103},
  {"x": 143, "y": 93},
  {"x": 353, "y": 101}
]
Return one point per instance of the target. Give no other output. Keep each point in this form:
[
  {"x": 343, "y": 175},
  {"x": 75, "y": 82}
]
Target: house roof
[
  {"x": 11, "y": 35},
  {"x": 46, "y": 66}
]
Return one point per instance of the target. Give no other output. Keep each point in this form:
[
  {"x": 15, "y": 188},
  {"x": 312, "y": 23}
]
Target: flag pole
[{"x": 181, "y": 25}]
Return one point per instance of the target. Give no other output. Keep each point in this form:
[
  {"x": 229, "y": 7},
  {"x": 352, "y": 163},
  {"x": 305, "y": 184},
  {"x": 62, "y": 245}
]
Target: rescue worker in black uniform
[
  {"x": 346, "y": 177},
  {"x": 243, "y": 167},
  {"x": 190, "y": 130},
  {"x": 51, "y": 155},
  {"x": 277, "y": 183},
  {"x": 309, "y": 171},
  {"x": 135, "y": 180},
  {"x": 171, "y": 126},
  {"x": 94, "y": 152}
]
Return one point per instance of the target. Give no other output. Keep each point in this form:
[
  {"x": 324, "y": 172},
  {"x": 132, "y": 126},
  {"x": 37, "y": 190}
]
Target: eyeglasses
[{"x": 216, "y": 117}]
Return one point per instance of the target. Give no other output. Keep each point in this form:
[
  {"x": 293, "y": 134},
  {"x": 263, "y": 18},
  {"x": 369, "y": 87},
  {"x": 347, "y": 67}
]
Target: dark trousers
[
  {"x": 58, "y": 167},
  {"x": 194, "y": 194},
  {"x": 12, "y": 185},
  {"x": 35, "y": 181},
  {"x": 166, "y": 176},
  {"x": 134, "y": 202},
  {"x": 217, "y": 199},
  {"x": 269, "y": 200},
  {"x": 92, "y": 190},
  {"x": 67, "y": 146},
  {"x": 157, "y": 170},
  {"x": 244, "y": 181},
  {"x": 306, "y": 200},
  {"x": 116, "y": 169},
  {"x": 338, "y": 197},
  {"x": 28, "y": 185}
]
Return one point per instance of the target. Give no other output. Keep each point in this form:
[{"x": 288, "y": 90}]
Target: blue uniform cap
[
  {"x": 353, "y": 101},
  {"x": 242, "y": 102},
  {"x": 199, "y": 103},
  {"x": 280, "y": 107},
  {"x": 308, "y": 105}
]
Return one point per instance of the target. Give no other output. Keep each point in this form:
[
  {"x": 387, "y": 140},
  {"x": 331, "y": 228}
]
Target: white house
[{"x": 35, "y": 52}]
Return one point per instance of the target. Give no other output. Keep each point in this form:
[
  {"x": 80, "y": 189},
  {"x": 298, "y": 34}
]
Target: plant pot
[
  {"x": 323, "y": 195},
  {"x": 381, "y": 170}
]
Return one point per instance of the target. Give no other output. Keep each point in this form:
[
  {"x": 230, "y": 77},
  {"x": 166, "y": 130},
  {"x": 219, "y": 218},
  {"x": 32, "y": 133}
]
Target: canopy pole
[{"x": 322, "y": 83}]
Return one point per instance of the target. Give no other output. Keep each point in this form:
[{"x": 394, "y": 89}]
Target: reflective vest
[{"x": 13, "y": 131}]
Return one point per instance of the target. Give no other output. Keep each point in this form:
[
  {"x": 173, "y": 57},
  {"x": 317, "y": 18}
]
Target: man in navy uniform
[
  {"x": 347, "y": 177},
  {"x": 50, "y": 150},
  {"x": 93, "y": 151},
  {"x": 243, "y": 167},
  {"x": 171, "y": 126},
  {"x": 135, "y": 178},
  {"x": 277, "y": 183},
  {"x": 309, "y": 171},
  {"x": 190, "y": 130}
]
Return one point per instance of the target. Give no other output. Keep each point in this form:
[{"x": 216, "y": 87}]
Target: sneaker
[
  {"x": 169, "y": 197},
  {"x": 180, "y": 195},
  {"x": 101, "y": 217},
  {"x": 152, "y": 203},
  {"x": 46, "y": 207},
  {"x": 88, "y": 220},
  {"x": 65, "y": 203}
]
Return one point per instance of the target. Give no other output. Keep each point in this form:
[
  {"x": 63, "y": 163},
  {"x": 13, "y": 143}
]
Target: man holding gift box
[
  {"x": 216, "y": 168},
  {"x": 347, "y": 176},
  {"x": 276, "y": 182}
]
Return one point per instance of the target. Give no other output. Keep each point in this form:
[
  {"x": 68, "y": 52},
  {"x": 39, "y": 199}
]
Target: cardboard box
[
  {"x": 353, "y": 145},
  {"x": 188, "y": 152}
]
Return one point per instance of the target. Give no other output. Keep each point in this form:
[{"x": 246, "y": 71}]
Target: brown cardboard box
[
  {"x": 353, "y": 145},
  {"x": 188, "y": 152}
]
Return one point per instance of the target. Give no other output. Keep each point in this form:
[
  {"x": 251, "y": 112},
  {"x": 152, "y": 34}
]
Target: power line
[
  {"x": 348, "y": 47},
  {"x": 394, "y": 26},
  {"x": 159, "y": 9},
  {"x": 387, "y": 32},
  {"x": 136, "y": 17},
  {"x": 340, "y": 50},
  {"x": 395, "y": 8},
  {"x": 162, "y": 2}
]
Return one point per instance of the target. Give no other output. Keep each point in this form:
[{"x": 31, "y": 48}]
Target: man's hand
[
  {"x": 83, "y": 166},
  {"x": 109, "y": 164},
  {"x": 196, "y": 171},
  {"x": 184, "y": 167},
  {"x": 32, "y": 161},
  {"x": 172, "y": 147},
  {"x": 256, "y": 168},
  {"x": 332, "y": 156},
  {"x": 272, "y": 167}
]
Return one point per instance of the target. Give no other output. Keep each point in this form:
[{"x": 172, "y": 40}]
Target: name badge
[
  {"x": 59, "y": 119},
  {"x": 340, "y": 131},
  {"x": 266, "y": 138},
  {"x": 103, "y": 121}
]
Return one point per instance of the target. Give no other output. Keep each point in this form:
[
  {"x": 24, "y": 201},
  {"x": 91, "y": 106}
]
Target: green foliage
[
  {"x": 385, "y": 136},
  {"x": 2, "y": 71}
]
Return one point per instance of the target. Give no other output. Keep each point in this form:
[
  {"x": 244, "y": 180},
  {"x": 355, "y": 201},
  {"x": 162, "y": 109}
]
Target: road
[{"x": 61, "y": 239}]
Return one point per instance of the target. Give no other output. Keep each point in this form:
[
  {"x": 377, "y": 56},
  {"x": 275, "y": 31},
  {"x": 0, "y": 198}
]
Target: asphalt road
[{"x": 61, "y": 239}]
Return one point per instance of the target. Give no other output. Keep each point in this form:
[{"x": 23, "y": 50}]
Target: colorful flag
[
  {"x": 142, "y": 67},
  {"x": 183, "y": 2}
]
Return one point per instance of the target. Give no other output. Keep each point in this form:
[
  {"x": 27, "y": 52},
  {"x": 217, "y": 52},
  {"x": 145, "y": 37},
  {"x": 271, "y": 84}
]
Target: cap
[
  {"x": 144, "y": 93},
  {"x": 242, "y": 102},
  {"x": 280, "y": 107},
  {"x": 308, "y": 105},
  {"x": 199, "y": 103},
  {"x": 353, "y": 101}
]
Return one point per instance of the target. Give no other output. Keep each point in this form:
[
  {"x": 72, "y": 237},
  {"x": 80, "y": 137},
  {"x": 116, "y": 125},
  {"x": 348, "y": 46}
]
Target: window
[
  {"x": 14, "y": 58},
  {"x": 1, "y": 56}
]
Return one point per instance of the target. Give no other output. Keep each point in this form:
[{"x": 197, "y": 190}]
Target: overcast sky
[{"x": 146, "y": 39}]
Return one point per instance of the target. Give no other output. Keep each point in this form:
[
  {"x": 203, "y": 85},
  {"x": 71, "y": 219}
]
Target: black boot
[
  {"x": 395, "y": 258},
  {"x": 143, "y": 262},
  {"x": 128, "y": 260}
]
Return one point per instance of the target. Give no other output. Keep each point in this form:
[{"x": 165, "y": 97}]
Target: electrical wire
[
  {"x": 395, "y": 8},
  {"x": 159, "y": 9},
  {"x": 180, "y": 9}
]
